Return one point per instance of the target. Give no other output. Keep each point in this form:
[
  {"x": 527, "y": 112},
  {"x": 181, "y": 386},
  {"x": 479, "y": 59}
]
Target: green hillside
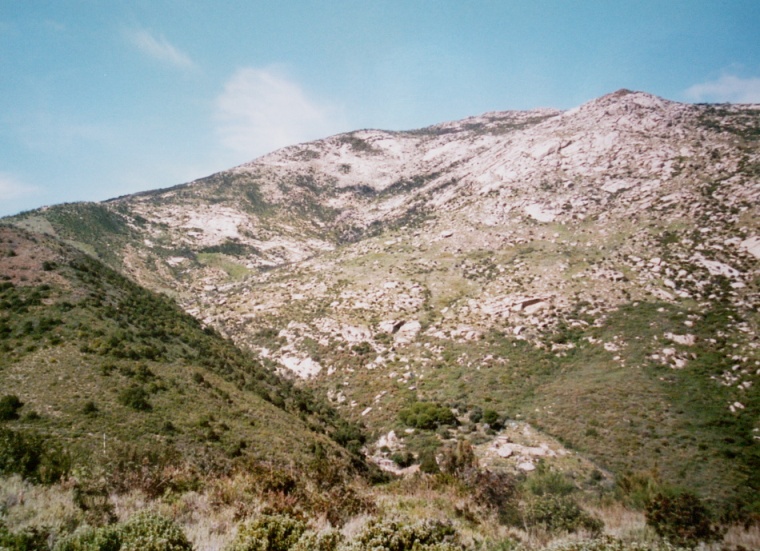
[{"x": 105, "y": 368}]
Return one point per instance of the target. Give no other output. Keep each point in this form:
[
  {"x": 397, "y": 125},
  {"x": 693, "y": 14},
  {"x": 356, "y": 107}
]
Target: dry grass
[
  {"x": 25, "y": 505},
  {"x": 209, "y": 517},
  {"x": 739, "y": 536},
  {"x": 623, "y": 523}
]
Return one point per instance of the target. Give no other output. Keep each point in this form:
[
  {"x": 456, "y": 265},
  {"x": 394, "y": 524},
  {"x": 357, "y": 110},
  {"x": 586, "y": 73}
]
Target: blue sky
[{"x": 104, "y": 98}]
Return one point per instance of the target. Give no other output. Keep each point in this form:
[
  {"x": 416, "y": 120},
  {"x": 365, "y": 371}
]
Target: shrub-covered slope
[{"x": 93, "y": 365}]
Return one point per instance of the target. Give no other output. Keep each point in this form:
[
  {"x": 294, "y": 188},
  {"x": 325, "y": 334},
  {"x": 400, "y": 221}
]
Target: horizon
[{"x": 102, "y": 100}]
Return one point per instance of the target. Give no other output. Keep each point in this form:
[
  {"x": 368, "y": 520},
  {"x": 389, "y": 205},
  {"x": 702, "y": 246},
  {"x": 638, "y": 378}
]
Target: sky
[{"x": 102, "y": 98}]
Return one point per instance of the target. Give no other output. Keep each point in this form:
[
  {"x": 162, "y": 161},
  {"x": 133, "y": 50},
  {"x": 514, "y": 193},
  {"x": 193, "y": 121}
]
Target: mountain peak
[{"x": 630, "y": 98}]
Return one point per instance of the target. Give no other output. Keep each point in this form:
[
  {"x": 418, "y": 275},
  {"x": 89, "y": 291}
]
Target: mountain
[{"x": 592, "y": 273}]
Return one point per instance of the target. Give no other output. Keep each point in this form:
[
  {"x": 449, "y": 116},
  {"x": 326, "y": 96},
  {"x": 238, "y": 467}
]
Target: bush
[
  {"x": 29, "y": 539},
  {"x": 427, "y": 416},
  {"x": 476, "y": 415},
  {"x": 135, "y": 397},
  {"x": 392, "y": 535},
  {"x": 268, "y": 533},
  {"x": 458, "y": 459},
  {"x": 559, "y": 514},
  {"x": 325, "y": 541},
  {"x": 152, "y": 532},
  {"x": 403, "y": 459},
  {"x": 349, "y": 436},
  {"x": 87, "y": 538},
  {"x": 682, "y": 519},
  {"x": 143, "y": 532},
  {"x": 19, "y": 454},
  {"x": 546, "y": 482},
  {"x": 492, "y": 418},
  {"x": 31, "y": 457},
  {"x": 637, "y": 489},
  {"x": 9, "y": 406},
  {"x": 428, "y": 462}
]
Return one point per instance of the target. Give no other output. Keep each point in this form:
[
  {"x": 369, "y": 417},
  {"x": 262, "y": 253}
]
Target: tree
[{"x": 9, "y": 406}]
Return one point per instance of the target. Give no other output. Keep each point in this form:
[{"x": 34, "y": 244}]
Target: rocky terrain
[{"x": 592, "y": 272}]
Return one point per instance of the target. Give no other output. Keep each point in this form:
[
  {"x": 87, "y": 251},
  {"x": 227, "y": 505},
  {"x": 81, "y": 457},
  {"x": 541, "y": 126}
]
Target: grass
[{"x": 234, "y": 270}]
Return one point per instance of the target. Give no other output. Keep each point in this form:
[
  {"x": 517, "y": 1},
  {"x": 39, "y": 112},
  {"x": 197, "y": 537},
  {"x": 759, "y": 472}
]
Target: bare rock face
[
  {"x": 407, "y": 332},
  {"x": 752, "y": 245}
]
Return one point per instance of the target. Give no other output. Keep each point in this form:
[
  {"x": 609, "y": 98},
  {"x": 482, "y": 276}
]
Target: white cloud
[
  {"x": 11, "y": 188},
  {"x": 261, "y": 110},
  {"x": 728, "y": 88},
  {"x": 159, "y": 48}
]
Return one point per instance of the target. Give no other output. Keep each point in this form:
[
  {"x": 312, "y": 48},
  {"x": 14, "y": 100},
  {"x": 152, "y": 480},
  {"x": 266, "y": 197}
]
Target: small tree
[{"x": 9, "y": 406}]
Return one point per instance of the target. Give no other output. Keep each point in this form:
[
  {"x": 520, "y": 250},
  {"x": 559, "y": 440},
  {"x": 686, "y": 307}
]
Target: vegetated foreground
[{"x": 540, "y": 326}]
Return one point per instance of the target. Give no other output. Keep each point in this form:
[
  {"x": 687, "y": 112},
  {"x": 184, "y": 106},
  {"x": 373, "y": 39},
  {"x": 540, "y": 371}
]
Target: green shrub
[
  {"x": 268, "y": 533},
  {"x": 87, "y": 538},
  {"x": 324, "y": 541},
  {"x": 428, "y": 462},
  {"x": 493, "y": 418},
  {"x": 545, "y": 482},
  {"x": 92, "y": 498},
  {"x": 349, "y": 436},
  {"x": 402, "y": 459},
  {"x": 145, "y": 531},
  {"x": 151, "y": 532},
  {"x": 9, "y": 406},
  {"x": 390, "y": 535},
  {"x": 135, "y": 397},
  {"x": 362, "y": 349},
  {"x": 682, "y": 519},
  {"x": 427, "y": 416},
  {"x": 637, "y": 489},
  {"x": 559, "y": 514},
  {"x": 32, "y": 457},
  {"x": 476, "y": 415},
  {"x": 458, "y": 459},
  {"x": 30, "y": 539},
  {"x": 19, "y": 453}
]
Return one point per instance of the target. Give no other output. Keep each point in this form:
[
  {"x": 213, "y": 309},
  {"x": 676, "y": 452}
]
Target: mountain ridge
[{"x": 542, "y": 263}]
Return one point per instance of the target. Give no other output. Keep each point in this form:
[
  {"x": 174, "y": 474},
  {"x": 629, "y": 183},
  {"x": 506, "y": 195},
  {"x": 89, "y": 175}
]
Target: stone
[{"x": 407, "y": 332}]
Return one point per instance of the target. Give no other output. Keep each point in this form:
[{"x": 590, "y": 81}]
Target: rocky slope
[{"x": 594, "y": 272}]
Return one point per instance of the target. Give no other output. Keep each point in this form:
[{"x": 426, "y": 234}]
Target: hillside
[
  {"x": 593, "y": 272},
  {"x": 109, "y": 373}
]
